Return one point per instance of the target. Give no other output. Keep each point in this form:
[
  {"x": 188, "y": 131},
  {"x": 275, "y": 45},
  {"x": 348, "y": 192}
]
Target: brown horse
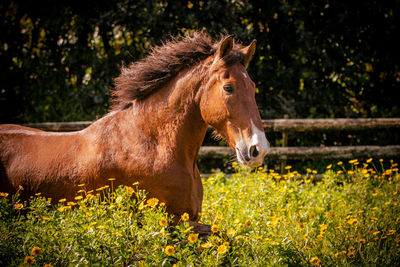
[{"x": 162, "y": 107}]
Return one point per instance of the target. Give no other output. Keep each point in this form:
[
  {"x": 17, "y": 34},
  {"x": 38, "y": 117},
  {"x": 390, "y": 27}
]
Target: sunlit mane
[{"x": 141, "y": 78}]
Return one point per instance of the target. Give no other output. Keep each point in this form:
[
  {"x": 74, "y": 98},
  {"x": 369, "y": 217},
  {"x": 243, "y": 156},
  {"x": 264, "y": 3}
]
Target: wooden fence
[{"x": 285, "y": 126}]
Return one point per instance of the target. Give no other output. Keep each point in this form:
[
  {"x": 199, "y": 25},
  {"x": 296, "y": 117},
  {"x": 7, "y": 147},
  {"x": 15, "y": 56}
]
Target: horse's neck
[
  {"x": 172, "y": 117},
  {"x": 167, "y": 124}
]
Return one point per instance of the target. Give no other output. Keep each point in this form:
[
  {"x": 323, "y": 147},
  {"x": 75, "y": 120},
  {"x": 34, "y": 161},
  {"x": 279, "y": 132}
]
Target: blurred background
[{"x": 314, "y": 59}]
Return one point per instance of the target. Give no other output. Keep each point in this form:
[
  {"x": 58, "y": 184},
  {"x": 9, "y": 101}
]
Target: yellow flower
[
  {"x": 80, "y": 185},
  {"x": 193, "y": 238},
  {"x": 222, "y": 249},
  {"x": 3, "y": 194},
  {"x": 20, "y": 187},
  {"x": 185, "y": 217},
  {"x": 288, "y": 167},
  {"x": 62, "y": 200},
  {"x": 36, "y": 251},
  {"x": 61, "y": 209},
  {"x": 78, "y": 197},
  {"x": 163, "y": 222},
  {"x": 45, "y": 218},
  {"x": 169, "y": 250},
  {"x": 111, "y": 179},
  {"x": 273, "y": 243},
  {"x": 71, "y": 203},
  {"x": 129, "y": 189},
  {"x": 352, "y": 221},
  {"x": 214, "y": 228},
  {"x": 351, "y": 252},
  {"x": 206, "y": 245},
  {"x": 329, "y": 166},
  {"x": 48, "y": 265},
  {"x": 231, "y": 232},
  {"x": 248, "y": 223},
  {"x": 152, "y": 202},
  {"x": 28, "y": 260},
  {"x": 315, "y": 261},
  {"x": 18, "y": 206}
]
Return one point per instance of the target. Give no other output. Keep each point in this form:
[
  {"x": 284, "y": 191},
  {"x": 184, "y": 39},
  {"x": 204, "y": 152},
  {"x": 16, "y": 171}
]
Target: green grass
[{"x": 350, "y": 217}]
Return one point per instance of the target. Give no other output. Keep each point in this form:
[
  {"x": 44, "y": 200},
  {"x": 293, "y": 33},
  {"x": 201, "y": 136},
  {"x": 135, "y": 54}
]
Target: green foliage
[
  {"x": 260, "y": 218},
  {"x": 314, "y": 59}
]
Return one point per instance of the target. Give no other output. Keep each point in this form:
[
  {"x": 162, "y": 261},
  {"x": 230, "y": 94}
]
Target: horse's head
[{"x": 228, "y": 103}]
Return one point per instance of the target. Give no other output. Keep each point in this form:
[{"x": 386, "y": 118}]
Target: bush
[{"x": 349, "y": 217}]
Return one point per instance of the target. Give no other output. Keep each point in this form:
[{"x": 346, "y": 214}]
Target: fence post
[{"x": 284, "y": 142}]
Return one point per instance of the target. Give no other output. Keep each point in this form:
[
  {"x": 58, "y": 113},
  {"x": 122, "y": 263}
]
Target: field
[{"x": 350, "y": 215}]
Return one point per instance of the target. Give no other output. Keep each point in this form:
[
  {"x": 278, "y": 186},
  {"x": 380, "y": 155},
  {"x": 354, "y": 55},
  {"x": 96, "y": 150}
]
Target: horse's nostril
[{"x": 254, "y": 151}]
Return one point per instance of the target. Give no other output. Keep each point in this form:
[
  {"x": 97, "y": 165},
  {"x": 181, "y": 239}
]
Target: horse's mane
[{"x": 141, "y": 78}]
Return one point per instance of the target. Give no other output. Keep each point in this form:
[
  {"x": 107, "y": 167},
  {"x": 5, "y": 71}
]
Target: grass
[{"x": 260, "y": 218}]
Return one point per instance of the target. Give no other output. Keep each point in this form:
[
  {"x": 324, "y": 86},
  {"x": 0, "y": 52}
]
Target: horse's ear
[
  {"x": 248, "y": 53},
  {"x": 225, "y": 47}
]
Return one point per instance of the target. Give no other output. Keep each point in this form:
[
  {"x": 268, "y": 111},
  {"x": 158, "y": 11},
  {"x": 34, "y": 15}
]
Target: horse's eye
[{"x": 229, "y": 88}]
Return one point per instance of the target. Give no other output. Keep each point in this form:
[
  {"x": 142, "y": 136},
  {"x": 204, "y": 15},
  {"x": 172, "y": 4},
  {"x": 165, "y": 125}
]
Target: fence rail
[{"x": 285, "y": 126}]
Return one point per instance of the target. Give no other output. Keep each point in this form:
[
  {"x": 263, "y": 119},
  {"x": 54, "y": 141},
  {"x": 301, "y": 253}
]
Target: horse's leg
[{"x": 203, "y": 230}]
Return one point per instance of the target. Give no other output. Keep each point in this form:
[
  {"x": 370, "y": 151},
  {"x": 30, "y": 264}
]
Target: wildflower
[
  {"x": 362, "y": 240},
  {"x": 163, "y": 222},
  {"x": 45, "y": 218},
  {"x": 169, "y": 250},
  {"x": 152, "y": 202},
  {"x": 18, "y": 206},
  {"x": 28, "y": 260},
  {"x": 352, "y": 221},
  {"x": 62, "y": 200},
  {"x": 222, "y": 249},
  {"x": 248, "y": 223},
  {"x": 351, "y": 252},
  {"x": 206, "y": 245},
  {"x": 315, "y": 261},
  {"x": 214, "y": 228},
  {"x": 185, "y": 217},
  {"x": 288, "y": 167},
  {"x": 36, "y": 251},
  {"x": 20, "y": 187},
  {"x": 3, "y": 194},
  {"x": 231, "y": 232},
  {"x": 48, "y": 265},
  {"x": 193, "y": 238},
  {"x": 340, "y": 163},
  {"x": 111, "y": 179},
  {"x": 61, "y": 209},
  {"x": 129, "y": 189},
  {"x": 38, "y": 194},
  {"x": 71, "y": 203},
  {"x": 329, "y": 166},
  {"x": 78, "y": 198},
  {"x": 273, "y": 243},
  {"x": 80, "y": 185}
]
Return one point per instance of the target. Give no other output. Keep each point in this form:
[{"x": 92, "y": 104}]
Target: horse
[{"x": 162, "y": 106}]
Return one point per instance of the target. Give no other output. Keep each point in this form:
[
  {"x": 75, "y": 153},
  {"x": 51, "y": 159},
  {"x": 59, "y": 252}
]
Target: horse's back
[
  {"x": 4, "y": 128},
  {"x": 7, "y": 136}
]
